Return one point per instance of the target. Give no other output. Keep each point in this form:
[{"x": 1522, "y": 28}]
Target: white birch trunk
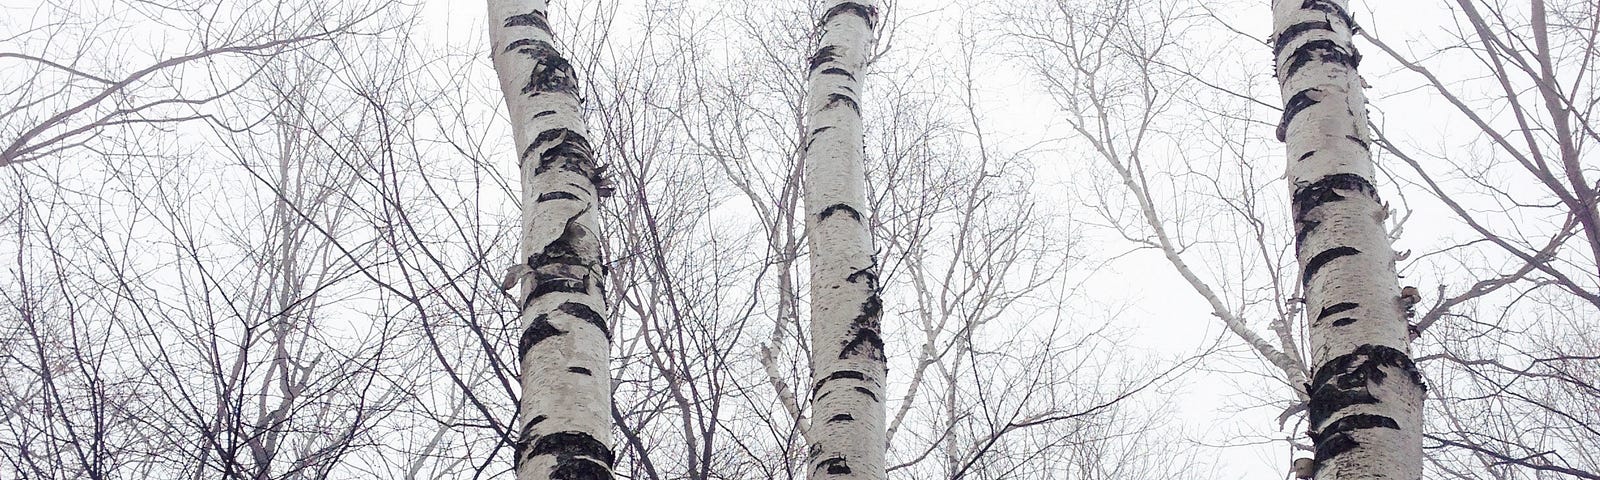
[
  {"x": 847, "y": 426},
  {"x": 564, "y": 416},
  {"x": 1366, "y": 396}
]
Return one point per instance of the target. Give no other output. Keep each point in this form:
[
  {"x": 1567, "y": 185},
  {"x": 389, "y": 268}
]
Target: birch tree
[
  {"x": 565, "y": 409},
  {"x": 1365, "y": 393},
  {"x": 848, "y": 365}
]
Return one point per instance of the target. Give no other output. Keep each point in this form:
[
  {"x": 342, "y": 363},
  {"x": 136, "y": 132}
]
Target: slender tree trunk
[
  {"x": 1366, "y": 395},
  {"x": 565, "y": 411},
  {"x": 847, "y": 427}
]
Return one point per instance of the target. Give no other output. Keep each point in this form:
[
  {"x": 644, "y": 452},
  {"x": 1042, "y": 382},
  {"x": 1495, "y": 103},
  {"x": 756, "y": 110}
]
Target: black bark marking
[
  {"x": 1306, "y": 227},
  {"x": 551, "y": 73},
  {"x": 1336, "y": 438},
  {"x": 535, "y": 19},
  {"x": 547, "y": 283},
  {"x": 818, "y": 130},
  {"x": 838, "y": 207},
  {"x": 550, "y": 136},
  {"x": 869, "y": 274},
  {"x": 838, "y": 98},
  {"x": 863, "y": 333},
  {"x": 843, "y": 417},
  {"x": 1325, "y": 189},
  {"x": 544, "y": 113},
  {"x": 1306, "y": 155},
  {"x": 1330, "y": 447},
  {"x": 545, "y": 197},
  {"x": 842, "y": 374},
  {"x": 580, "y": 371},
  {"x": 571, "y": 152},
  {"x": 868, "y": 393},
  {"x": 834, "y": 466},
  {"x": 538, "y": 330},
  {"x": 1343, "y": 321},
  {"x": 1331, "y": 8},
  {"x": 1323, "y": 50},
  {"x": 1344, "y": 380},
  {"x": 586, "y": 314},
  {"x": 524, "y": 43},
  {"x": 579, "y": 456},
  {"x": 867, "y": 13},
  {"x": 561, "y": 252},
  {"x": 823, "y": 55},
  {"x": 1358, "y": 141},
  {"x": 524, "y": 438},
  {"x": 1289, "y": 34},
  {"x": 838, "y": 71},
  {"x": 1336, "y": 308},
  {"x": 1322, "y": 259},
  {"x": 1299, "y": 101}
]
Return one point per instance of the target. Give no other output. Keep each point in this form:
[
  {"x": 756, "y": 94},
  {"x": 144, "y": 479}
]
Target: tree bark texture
[
  {"x": 848, "y": 368},
  {"x": 564, "y": 414},
  {"x": 1365, "y": 393}
]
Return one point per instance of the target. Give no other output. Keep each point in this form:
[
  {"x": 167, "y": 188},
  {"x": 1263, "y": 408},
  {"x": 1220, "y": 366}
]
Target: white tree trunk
[
  {"x": 1366, "y": 395},
  {"x": 847, "y": 426},
  {"x": 565, "y": 411}
]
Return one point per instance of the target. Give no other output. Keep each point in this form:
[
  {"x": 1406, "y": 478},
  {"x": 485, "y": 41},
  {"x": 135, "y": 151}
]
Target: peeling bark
[
  {"x": 1365, "y": 410},
  {"x": 565, "y": 409},
  {"x": 847, "y": 348}
]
